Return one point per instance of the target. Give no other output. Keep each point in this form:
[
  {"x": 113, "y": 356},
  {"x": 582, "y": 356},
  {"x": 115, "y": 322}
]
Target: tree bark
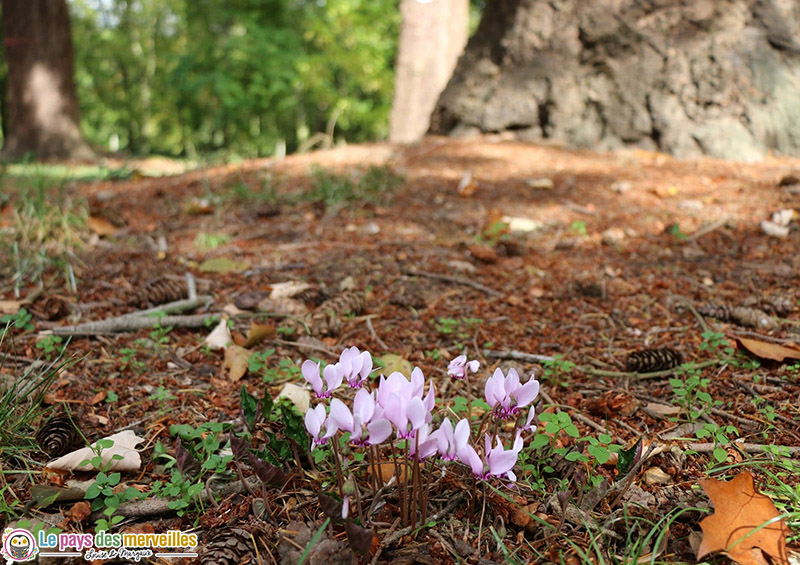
[
  {"x": 43, "y": 111},
  {"x": 432, "y": 36},
  {"x": 688, "y": 77}
]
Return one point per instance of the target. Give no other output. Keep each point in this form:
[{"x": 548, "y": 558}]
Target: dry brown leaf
[
  {"x": 767, "y": 350},
  {"x": 79, "y": 512},
  {"x": 101, "y": 226},
  {"x": 258, "y": 333},
  {"x": 10, "y": 306},
  {"x": 235, "y": 364},
  {"x": 739, "y": 512},
  {"x": 124, "y": 446}
]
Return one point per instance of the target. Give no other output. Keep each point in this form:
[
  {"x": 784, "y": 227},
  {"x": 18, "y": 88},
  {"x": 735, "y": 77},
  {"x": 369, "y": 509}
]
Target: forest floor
[{"x": 559, "y": 263}]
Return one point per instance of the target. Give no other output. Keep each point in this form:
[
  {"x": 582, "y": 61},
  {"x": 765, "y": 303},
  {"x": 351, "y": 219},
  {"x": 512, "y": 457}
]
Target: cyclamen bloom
[
  {"x": 400, "y": 401},
  {"x": 459, "y": 367},
  {"x": 497, "y": 462},
  {"x": 355, "y": 366},
  {"x": 362, "y": 416},
  {"x": 506, "y": 395},
  {"x": 333, "y": 378},
  {"x": 450, "y": 442},
  {"x": 422, "y": 444},
  {"x": 314, "y": 420}
]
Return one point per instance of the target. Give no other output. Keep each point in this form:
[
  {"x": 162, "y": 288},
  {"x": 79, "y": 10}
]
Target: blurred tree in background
[{"x": 249, "y": 77}]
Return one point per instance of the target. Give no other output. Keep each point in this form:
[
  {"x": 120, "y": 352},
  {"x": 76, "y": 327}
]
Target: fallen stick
[
  {"x": 170, "y": 307},
  {"x": 456, "y": 280},
  {"x": 133, "y": 323},
  {"x": 745, "y": 447},
  {"x": 517, "y": 356}
]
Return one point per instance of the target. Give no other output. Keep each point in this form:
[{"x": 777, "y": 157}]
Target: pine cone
[
  {"x": 227, "y": 546},
  {"x": 775, "y": 305},
  {"x": 160, "y": 291},
  {"x": 652, "y": 360},
  {"x": 57, "y": 436},
  {"x": 721, "y": 312},
  {"x": 327, "y": 318},
  {"x": 752, "y": 318}
]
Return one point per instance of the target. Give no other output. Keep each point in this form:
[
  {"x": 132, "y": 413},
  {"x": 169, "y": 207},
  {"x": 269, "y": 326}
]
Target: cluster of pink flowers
[{"x": 402, "y": 405}]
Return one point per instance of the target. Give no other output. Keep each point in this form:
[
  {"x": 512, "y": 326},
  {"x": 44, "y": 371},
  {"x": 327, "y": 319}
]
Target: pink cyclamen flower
[
  {"x": 333, "y": 378},
  {"x": 355, "y": 366},
  {"x": 506, "y": 395},
  {"x": 449, "y": 441},
  {"x": 362, "y": 416},
  {"x": 407, "y": 415},
  {"x": 314, "y": 420},
  {"x": 527, "y": 426},
  {"x": 423, "y": 443},
  {"x": 459, "y": 367},
  {"x": 496, "y": 462}
]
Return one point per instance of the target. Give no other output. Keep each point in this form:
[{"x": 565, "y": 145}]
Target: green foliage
[
  {"x": 716, "y": 342},
  {"x": 245, "y": 76},
  {"x": 578, "y": 227},
  {"x": 719, "y": 435},
  {"x": 691, "y": 394},
  {"x": 21, "y": 320},
  {"x": 51, "y": 346},
  {"x": 360, "y": 186},
  {"x": 557, "y": 371},
  {"x": 104, "y": 493},
  {"x": 460, "y": 328},
  {"x": 285, "y": 425}
]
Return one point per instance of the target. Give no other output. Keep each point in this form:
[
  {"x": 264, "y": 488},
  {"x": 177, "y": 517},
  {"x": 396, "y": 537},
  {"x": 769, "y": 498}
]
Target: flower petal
[
  {"x": 310, "y": 371},
  {"x": 379, "y": 431},
  {"x": 341, "y": 415},
  {"x": 461, "y": 435},
  {"x": 333, "y": 377},
  {"x": 526, "y": 393},
  {"x": 468, "y": 456},
  {"x": 416, "y": 412}
]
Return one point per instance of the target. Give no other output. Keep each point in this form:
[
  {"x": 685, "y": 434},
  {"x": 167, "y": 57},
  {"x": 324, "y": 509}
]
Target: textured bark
[
  {"x": 43, "y": 112},
  {"x": 688, "y": 77},
  {"x": 432, "y": 36}
]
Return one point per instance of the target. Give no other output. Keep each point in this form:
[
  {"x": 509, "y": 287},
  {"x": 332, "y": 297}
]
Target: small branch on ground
[
  {"x": 515, "y": 355},
  {"x": 133, "y": 323},
  {"x": 454, "y": 280}
]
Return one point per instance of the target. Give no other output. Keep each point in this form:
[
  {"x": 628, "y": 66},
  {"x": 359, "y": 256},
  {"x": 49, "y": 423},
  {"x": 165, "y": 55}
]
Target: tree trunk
[
  {"x": 43, "y": 112},
  {"x": 432, "y": 36},
  {"x": 688, "y": 77}
]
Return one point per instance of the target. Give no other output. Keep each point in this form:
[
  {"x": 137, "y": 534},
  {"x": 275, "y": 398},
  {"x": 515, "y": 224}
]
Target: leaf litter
[{"x": 505, "y": 268}]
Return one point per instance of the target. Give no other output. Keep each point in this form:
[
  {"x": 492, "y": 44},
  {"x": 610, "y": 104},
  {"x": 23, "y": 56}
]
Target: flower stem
[
  {"x": 399, "y": 486},
  {"x": 339, "y": 481}
]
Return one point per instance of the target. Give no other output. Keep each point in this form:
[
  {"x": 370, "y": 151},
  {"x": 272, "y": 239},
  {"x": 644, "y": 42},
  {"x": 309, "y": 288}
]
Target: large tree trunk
[
  {"x": 689, "y": 77},
  {"x": 43, "y": 112},
  {"x": 432, "y": 36}
]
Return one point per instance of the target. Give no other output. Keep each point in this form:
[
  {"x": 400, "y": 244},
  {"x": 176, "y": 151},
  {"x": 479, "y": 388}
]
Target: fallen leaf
[
  {"x": 235, "y": 364},
  {"x": 223, "y": 265},
  {"x": 124, "y": 446},
  {"x": 287, "y": 289},
  {"x": 220, "y": 338},
  {"x": 101, "y": 226},
  {"x": 298, "y": 395},
  {"x": 10, "y": 306},
  {"x": 79, "y": 511},
  {"x": 394, "y": 363},
  {"x": 258, "y": 333},
  {"x": 735, "y": 527},
  {"x": 767, "y": 350},
  {"x": 467, "y": 185}
]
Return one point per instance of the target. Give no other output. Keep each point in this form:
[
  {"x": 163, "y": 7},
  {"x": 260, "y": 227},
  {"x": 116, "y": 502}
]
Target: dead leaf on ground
[
  {"x": 766, "y": 350},
  {"x": 235, "y": 364},
  {"x": 258, "y": 333},
  {"x": 101, "y": 226},
  {"x": 124, "y": 445},
  {"x": 10, "y": 306},
  {"x": 735, "y": 527},
  {"x": 220, "y": 338}
]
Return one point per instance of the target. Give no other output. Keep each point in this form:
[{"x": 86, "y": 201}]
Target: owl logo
[{"x": 18, "y": 545}]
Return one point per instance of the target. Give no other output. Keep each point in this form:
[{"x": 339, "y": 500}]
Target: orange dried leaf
[
  {"x": 101, "y": 226},
  {"x": 735, "y": 526},
  {"x": 258, "y": 333},
  {"x": 767, "y": 350},
  {"x": 79, "y": 511},
  {"x": 235, "y": 364}
]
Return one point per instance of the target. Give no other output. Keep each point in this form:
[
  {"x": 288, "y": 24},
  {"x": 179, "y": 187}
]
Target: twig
[
  {"x": 455, "y": 280},
  {"x": 517, "y": 356},
  {"x": 133, "y": 323},
  {"x": 381, "y": 546},
  {"x": 708, "y": 229},
  {"x": 374, "y": 334},
  {"x": 171, "y": 307},
  {"x": 301, "y": 345},
  {"x": 745, "y": 447},
  {"x": 623, "y": 486}
]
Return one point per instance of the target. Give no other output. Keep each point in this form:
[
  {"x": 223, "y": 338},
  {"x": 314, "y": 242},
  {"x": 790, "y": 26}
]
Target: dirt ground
[{"x": 487, "y": 246}]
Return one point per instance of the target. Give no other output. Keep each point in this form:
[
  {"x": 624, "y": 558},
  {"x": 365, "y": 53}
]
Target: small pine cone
[
  {"x": 314, "y": 296},
  {"x": 409, "y": 297},
  {"x": 227, "y": 546},
  {"x": 753, "y": 318},
  {"x": 54, "y": 308},
  {"x": 721, "y": 312},
  {"x": 327, "y": 318},
  {"x": 57, "y": 436},
  {"x": 160, "y": 291},
  {"x": 773, "y": 305},
  {"x": 652, "y": 360}
]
